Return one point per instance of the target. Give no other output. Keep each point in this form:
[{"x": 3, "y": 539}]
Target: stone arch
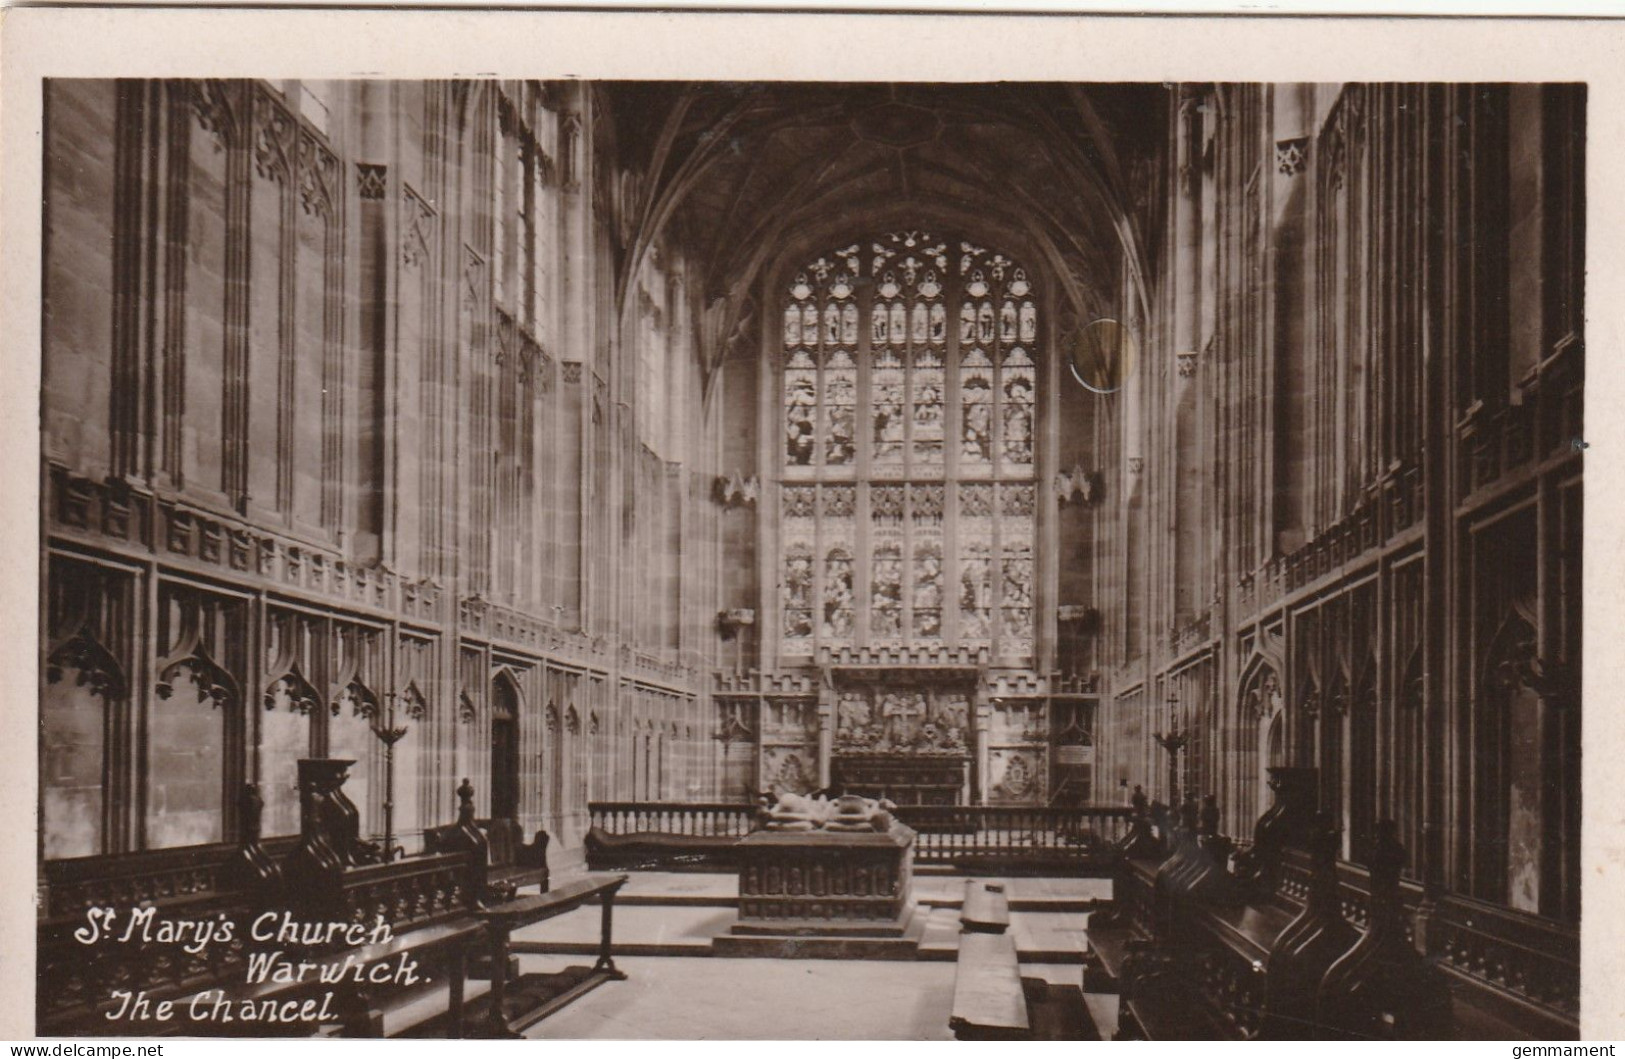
[{"x": 506, "y": 683}]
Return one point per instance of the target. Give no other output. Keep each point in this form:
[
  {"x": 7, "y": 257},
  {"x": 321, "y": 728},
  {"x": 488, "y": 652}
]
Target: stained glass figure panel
[
  {"x": 840, "y": 407},
  {"x": 975, "y": 563},
  {"x": 886, "y": 382},
  {"x": 1016, "y": 394},
  {"x": 799, "y": 521},
  {"x": 975, "y": 408},
  {"x": 886, "y": 572},
  {"x": 838, "y": 594},
  {"x": 1016, "y": 525},
  {"x": 928, "y": 590},
  {"x": 837, "y": 508},
  {"x": 927, "y": 409},
  {"x": 925, "y": 517},
  {"x": 800, "y": 408}
]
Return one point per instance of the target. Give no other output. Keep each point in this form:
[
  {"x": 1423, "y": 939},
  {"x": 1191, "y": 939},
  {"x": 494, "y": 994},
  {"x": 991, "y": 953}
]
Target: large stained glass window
[{"x": 907, "y": 506}]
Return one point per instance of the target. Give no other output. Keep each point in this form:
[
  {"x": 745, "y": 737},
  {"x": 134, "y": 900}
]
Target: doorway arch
[{"x": 505, "y": 712}]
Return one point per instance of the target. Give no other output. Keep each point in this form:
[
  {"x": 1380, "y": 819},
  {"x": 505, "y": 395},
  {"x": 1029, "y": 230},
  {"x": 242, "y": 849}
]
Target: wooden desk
[
  {"x": 986, "y": 909},
  {"x": 989, "y": 1002},
  {"x": 503, "y": 919}
]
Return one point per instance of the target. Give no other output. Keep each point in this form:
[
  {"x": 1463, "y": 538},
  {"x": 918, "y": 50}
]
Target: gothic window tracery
[{"x": 909, "y": 447}]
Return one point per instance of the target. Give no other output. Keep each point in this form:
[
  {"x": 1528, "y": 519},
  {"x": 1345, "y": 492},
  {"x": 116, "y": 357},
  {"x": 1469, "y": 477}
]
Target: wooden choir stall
[
  {"x": 323, "y": 934},
  {"x": 1283, "y": 941}
]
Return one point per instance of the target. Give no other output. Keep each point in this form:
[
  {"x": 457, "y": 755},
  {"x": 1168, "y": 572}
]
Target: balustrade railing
[
  {"x": 706, "y": 819},
  {"x": 947, "y": 833}
]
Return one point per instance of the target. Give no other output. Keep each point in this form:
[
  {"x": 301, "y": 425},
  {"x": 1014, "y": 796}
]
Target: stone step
[
  {"x": 941, "y": 938},
  {"x": 942, "y": 889},
  {"x": 989, "y": 995},
  {"x": 1047, "y": 936},
  {"x": 825, "y": 947}
]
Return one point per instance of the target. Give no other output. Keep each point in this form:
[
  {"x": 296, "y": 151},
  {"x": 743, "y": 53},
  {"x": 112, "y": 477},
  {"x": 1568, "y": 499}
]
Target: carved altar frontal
[
  {"x": 826, "y": 882},
  {"x": 907, "y": 779}
]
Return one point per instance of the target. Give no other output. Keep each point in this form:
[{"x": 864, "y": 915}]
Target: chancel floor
[
  {"x": 683, "y": 998},
  {"x": 664, "y": 924},
  {"x": 696, "y": 998}
]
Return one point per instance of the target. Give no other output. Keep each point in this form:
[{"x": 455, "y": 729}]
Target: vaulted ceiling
[{"x": 738, "y": 171}]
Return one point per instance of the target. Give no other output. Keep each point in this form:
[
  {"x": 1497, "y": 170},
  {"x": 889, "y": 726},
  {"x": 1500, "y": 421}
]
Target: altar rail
[{"x": 966, "y": 835}]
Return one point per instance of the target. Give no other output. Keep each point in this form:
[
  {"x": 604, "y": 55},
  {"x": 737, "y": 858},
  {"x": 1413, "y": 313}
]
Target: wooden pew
[
  {"x": 660, "y": 851},
  {"x": 512, "y": 863},
  {"x": 216, "y": 882},
  {"x": 986, "y": 909},
  {"x": 429, "y": 904},
  {"x": 326, "y": 875},
  {"x": 989, "y": 1001},
  {"x": 1205, "y": 952},
  {"x": 358, "y": 1010}
]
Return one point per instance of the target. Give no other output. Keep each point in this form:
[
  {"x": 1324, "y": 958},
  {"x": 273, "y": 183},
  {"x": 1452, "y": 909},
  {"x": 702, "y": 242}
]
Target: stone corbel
[
  {"x": 729, "y": 622},
  {"x": 371, "y": 181},
  {"x": 1291, "y": 155},
  {"x": 1078, "y": 484},
  {"x": 734, "y": 723},
  {"x": 736, "y": 490}
]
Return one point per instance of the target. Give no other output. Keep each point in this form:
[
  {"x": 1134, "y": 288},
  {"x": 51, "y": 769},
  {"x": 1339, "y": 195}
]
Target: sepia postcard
[{"x": 729, "y": 526}]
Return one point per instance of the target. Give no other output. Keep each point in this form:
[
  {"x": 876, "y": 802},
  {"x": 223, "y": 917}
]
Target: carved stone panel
[
  {"x": 902, "y": 720},
  {"x": 1017, "y": 776},
  {"x": 790, "y": 769}
]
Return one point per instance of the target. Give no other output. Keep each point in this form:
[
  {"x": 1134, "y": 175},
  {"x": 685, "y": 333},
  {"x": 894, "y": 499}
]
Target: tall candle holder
[
  {"x": 386, "y": 731},
  {"x": 1174, "y": 742}
]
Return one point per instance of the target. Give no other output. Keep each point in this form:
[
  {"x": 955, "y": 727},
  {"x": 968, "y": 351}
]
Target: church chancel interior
[{"x": 1015, "y": 561}]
